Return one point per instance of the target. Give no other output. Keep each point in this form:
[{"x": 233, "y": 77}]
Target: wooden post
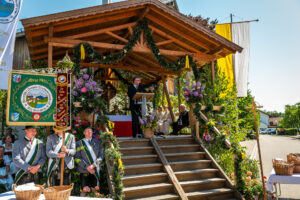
[
  {"x": 62, "y": 162},
  {"x": 178, "y": 91},
  {"x": 50, "y": 48},
  {"x": 168, "y": 99},
  {"x": 212, "y": 72},
  {"x": 253, "y": 108}
]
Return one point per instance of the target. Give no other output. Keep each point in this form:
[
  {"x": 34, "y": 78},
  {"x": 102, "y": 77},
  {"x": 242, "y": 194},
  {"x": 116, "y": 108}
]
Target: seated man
[{"x": 183, "y": 120}]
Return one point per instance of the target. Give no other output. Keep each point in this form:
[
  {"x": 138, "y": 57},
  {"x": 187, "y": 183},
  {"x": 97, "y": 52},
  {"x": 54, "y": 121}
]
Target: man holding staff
[
  {"x": 56, "y": 150},
  {"x": 89, "y": 156},
  {"x": 28, "y": 156}
]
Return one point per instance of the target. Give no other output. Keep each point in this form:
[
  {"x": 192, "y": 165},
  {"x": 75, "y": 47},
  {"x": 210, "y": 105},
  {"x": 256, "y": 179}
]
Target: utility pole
[{"x": 231, "y": 15}]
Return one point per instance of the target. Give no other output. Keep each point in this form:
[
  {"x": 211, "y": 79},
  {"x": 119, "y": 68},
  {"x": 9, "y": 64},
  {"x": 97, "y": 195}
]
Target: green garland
[
  {"x": 142, "y": 26},
  {"x": 113, "y": 155}
]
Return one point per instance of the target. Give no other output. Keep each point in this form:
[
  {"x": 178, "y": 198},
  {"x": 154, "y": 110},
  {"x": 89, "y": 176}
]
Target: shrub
[{"x": 288, "y": 131}]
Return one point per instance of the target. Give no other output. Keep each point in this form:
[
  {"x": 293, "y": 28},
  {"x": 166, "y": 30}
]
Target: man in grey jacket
[
  {"x": 28, "y": 157},
  {"x": 55, "y": 150},
  {"x": 89, "y": 156}
]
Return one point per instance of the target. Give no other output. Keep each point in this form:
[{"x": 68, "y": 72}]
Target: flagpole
[{"x": 254, "y": 20}]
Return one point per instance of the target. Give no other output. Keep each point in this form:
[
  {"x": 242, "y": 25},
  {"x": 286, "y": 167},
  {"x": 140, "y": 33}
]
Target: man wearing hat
[
  {"x": 89, "y": 156},
  {"x": 28, "y": 157},
  {"x": 55, "y": 150}
]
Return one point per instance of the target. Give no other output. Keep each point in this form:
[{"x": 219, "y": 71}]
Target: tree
[
  {"x": 274, "y": 113},
  {"x": 291, "y": 116}
]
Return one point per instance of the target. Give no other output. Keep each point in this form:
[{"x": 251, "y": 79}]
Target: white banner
[
  {"x": 9, "y": 17},
  {"x": 240, "y": 34}
]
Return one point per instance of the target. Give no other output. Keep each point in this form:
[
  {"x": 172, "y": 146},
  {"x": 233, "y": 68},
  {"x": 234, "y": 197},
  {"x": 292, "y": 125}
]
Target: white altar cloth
[{"x": 273, "y": 179}]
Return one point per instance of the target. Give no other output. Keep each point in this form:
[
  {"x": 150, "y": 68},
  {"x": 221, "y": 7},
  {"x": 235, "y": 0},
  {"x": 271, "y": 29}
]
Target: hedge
[{"x": 287, "y": 131}]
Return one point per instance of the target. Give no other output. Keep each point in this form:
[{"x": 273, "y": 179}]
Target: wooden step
[
  {"x": 139, "y": 159},
  {"x": 202, "y": 184},
  {"x": 175, "y": 141},
  {"x": 212, "y": 194},
  {"x": 196, "y": 174},
  {"x": 131, "y": 151},
  {"x": 161, "y": 197},
  {"x": 172, "y": 157},
  {"x": 144, "y": 179},
  {"x": 147, "y": 190},
  {"x": 143, "y": 168},
  {"x": 180, "y": 148},
  {"x": 190, "y": 165},
  {"x": 134, "y": 143}
]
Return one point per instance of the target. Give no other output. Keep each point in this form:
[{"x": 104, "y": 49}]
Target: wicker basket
[
  {"x": 61, "y": 192},
  {"x": 28, "y": 194},
  {"x": 294, "y": 157},
  {"x": 148, "y": 133},
  {"x": 283, "y": 168}
]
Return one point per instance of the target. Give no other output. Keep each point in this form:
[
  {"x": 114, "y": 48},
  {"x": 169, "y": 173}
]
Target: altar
[{"x": 123, "y": 125}]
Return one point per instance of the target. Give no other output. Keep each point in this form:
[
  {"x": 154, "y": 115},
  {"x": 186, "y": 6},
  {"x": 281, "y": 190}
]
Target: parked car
[{"x": 270, "y": 131}]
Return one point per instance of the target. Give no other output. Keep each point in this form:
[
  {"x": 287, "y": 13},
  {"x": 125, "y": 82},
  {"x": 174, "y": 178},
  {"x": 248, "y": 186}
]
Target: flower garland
[
  {"x": 84, "y": 49},
  {"x": 113, "y": 154}
]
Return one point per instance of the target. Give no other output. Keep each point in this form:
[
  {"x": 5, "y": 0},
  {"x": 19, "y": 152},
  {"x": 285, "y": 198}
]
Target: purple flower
[
  {"x": 196, "y": 93},
  {"x": 187, "y": 99},
  {"x": 94, "y": 83},
  {"x": 187, "y": 83},
  {"x": 193, "y": 85},
  {"x": 87, "y": 85},
  {"x": 141, "y": 121},
  {"x": 151, "y": 118},
  {"x": 185, "y": 89},
  {"x": 78, "y": 83},
  {"x": 86, "y": 76},
  {"x": 201, "y": 96},
  {"x": 198, "y": 85},
  {"x": 74, "y": 93}
]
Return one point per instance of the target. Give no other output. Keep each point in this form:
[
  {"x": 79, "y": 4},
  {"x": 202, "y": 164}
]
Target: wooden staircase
[{"x": 172, "y": 168}]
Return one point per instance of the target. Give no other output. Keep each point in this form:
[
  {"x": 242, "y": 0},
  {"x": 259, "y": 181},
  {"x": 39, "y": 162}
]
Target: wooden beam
[
  {"x": 216, "y": 51},
  {"x": 50, "y": 47},
  {"x": 116, "y": 36},
  {"x": 84, "y": 23},
  {"x": 144, "y": 13},
  {"x": 164, "y": 42},
  {"x": 168, "y": 99},
  {"x": 129, "y": 67},
  {"x": 172, "y": 177},
  {"x": 212, "y": 72},
  {"x": 101, "y": 31},
  {"x": 70, "y": 43},
  {"x": 178, "y": 32}
]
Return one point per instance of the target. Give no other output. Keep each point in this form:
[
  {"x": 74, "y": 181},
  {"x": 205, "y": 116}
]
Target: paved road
[{"x": 277, "y": 147}]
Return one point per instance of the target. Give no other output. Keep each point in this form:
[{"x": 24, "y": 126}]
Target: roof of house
[{"x": 171, "y": 30}]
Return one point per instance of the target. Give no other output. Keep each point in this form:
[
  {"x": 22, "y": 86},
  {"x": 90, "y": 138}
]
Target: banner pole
[{"x": 62, "y": 163}]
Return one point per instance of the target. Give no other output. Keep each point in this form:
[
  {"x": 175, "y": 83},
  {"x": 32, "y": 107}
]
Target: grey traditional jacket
[
  {"x": 20, "y": 150},
  {"x": 52, "y": 142},
  {"x": 81, "y": 156}
]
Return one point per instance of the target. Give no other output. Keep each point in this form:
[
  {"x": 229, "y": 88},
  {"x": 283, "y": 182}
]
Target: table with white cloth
[
  {"x": 123, "y": 125},
  {"x": 281, "y": 179},
  {"x": 11, "y": 196}
]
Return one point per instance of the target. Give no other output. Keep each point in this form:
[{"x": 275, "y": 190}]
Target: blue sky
[{"x": 274, "y": 49}]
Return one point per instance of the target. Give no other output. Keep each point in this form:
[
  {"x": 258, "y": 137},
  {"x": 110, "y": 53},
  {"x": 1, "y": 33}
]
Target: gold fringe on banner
[
  {"x": 82, "y": 51},
  {"x": 187, "y": 62}
]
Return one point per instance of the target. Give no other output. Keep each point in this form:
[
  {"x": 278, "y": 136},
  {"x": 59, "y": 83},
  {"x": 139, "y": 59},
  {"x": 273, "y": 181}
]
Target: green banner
[{"x": 31, "y": 99}]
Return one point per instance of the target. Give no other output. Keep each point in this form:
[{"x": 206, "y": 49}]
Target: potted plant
[{"x": 148, "y": 125}]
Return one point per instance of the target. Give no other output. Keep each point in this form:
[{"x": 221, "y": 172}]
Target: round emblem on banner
[
  {"x": 62, "y": 79},
  {"x": 9, "y": 10},
  {"x": 36, "y": 98}
]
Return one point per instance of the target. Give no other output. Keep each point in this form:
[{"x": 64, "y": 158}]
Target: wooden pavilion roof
[{"x": 108, "y": 28}]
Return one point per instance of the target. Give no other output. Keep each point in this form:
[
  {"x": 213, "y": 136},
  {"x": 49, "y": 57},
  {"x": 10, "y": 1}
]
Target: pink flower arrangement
[
  {"x": 193, "y": 92},
  {"x": 92, "y": 192}
]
